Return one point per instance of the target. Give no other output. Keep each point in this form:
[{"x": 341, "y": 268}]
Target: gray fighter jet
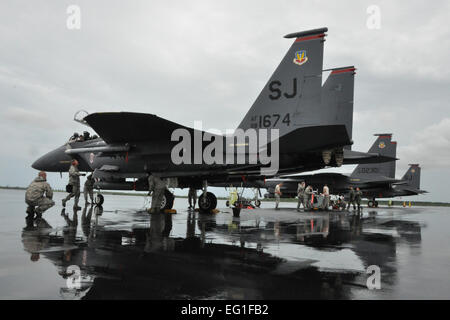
[
  {"x": 135, "y": 145},
  {"x": 375, "y": 180}
]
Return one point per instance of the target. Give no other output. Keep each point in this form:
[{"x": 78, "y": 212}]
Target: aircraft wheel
[
  {"x": 257, "y": 203},
  {"x": 98, "y": 210},
  {"x": 207, "y": 203},
  {"x": 99, "y": 199},
  {"x": 167, "y": 200},
  {"x": 375, "y": 204},
  {"x": 227, "y": 203},
  {"x": 370, "y": 204}
]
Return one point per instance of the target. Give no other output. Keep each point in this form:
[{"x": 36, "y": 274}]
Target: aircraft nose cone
[
  {"x": 39, "y": 164},
  {"x": 54, "y": 161}
]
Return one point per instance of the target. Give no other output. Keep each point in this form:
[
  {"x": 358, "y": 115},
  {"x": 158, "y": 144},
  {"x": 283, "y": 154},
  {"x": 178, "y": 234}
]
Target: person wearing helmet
[
  {"x": 74, "y": 137},
  {"x": 74, "y": 181}
]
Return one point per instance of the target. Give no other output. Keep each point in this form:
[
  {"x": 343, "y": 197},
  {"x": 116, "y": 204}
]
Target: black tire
[
  {"x": 375, "y": 204},
  {"x": 370, "y": 204},
  {"x": 167, "y": 200},
  {"x": 227, "y": 203},
  {"x": 257, "y": 203},
  {"x": 98, "y": 210},
  {"x": 209, "y": 203},
  {"x": 99, "y": 199}
]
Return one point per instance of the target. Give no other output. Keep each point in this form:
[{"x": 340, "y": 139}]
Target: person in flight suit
[
  {"x": 326, "y": 197},
  {"x": 358, "y": 196},
  {"x": 156, "y": 187},
  {"x": 89, "y": 189},
  {"x": 308, "y": 197},
  {"x": 74, "y": 181},
  {"x": 192, "y": 197},
  {"x": 351, "y": 200},
  {"x": 39, "y": 196},
  {"x": 301, "y": 195},
  {"x": 277, "y": 194}
]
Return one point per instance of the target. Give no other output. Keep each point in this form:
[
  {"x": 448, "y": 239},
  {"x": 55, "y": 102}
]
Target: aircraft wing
[
  {"x": 356, "y": 157},
  {"x": 376, "y": 180},
  {"x": 123, "y": 127},
  {"x": 412, "y": 190}
]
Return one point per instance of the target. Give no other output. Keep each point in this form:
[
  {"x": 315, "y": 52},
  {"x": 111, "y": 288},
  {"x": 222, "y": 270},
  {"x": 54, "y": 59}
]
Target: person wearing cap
[
  {"x": 38, "y": 196},
  {"x": 74, "y": 181}
]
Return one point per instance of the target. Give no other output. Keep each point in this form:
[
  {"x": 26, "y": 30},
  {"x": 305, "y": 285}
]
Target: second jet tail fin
[
  {"x": 337, "y": 96},
  {"x": 385, "y": 147},
  {"x": 412, "y": 177}
]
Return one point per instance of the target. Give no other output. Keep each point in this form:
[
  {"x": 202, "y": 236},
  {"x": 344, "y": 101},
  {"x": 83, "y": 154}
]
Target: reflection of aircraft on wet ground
[
  {"x": 133, "y": 145},
  {"x": 375, "y": 180},
  {"x": 147, "y": 262}
]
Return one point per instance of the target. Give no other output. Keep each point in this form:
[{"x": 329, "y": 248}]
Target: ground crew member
[
  {"x": 156, "y": 187},
  {"x": 192, "y": 197},
  {"x": 308, "y": 196},
  {"x": 301, "y": 195},
  {"x": 358, "y": 196},
  {"x": 326, "y": 197},
  {"x": 89, "y": 189},
  {"x": 351, "y": 198},
  {"x": 39, "y": 194},
  {"x": 343, "y": 205},
  {"x": 278, "y": 194},
  {"x": 74, "y": 181}
]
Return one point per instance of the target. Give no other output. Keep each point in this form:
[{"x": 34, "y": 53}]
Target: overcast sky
[{"x": 208, "y": 60}]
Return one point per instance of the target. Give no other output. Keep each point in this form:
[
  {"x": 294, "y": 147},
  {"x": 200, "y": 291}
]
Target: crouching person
[{"x": 39, "y": 196}]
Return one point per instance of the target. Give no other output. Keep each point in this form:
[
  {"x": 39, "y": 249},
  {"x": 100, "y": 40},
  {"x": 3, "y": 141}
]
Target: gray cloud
[{"x": 209, "y": 60}]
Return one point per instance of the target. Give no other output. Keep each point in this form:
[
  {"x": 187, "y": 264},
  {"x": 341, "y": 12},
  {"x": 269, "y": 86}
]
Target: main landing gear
[
  {"x": 99, "y": 199},
  {"x": 167, "y": 200},
  {"x": 207, "y": 200}
]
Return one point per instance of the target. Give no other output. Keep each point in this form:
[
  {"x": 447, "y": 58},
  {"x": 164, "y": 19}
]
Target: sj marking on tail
[{"x": 300, "y": 57}]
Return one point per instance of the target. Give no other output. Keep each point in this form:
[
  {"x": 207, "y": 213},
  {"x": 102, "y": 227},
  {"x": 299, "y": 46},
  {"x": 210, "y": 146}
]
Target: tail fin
[
  {"x": 384, "y": 146},
  {"x": 291, "y": 98},
  {"x": 413, "y": 176},
  {"x": 337, "y": 95}
]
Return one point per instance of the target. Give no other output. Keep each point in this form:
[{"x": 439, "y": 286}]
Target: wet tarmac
[{"x": 122, "y": 252}]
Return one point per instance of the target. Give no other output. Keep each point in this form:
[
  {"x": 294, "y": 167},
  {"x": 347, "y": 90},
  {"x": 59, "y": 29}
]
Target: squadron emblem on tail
[{"x": 300, "y": 57}]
